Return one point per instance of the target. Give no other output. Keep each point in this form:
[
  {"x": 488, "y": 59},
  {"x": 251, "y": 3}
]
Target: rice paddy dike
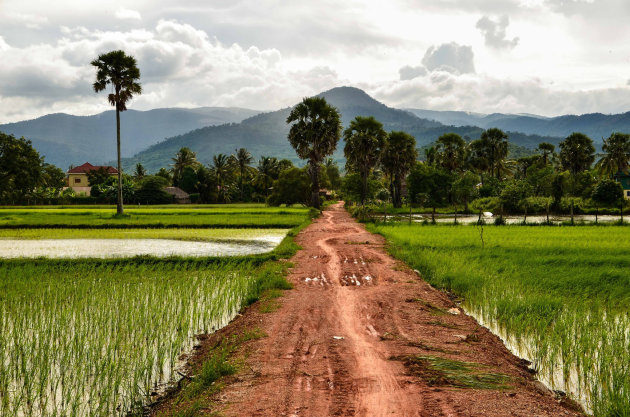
[
  {"x": 104, "y": 337},
  {"x": 224, "y": 216},
  {"x": 558, "y": 295}
]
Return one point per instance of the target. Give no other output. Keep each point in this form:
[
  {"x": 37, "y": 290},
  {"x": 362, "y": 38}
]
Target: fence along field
[
  {"x": 560, "y": 293},
  {"x": 98, "y": 337}
]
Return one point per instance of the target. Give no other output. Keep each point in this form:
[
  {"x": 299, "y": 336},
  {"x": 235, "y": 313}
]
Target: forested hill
[
  {"x": 595, "y": 125},
  {"x": 66, "y": 139},
  {"x": 266, "y": 133}
]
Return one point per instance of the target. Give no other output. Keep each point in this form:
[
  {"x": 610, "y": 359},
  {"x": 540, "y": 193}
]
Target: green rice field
[
  {"x": 103, "y": 337},
  {"x": 88, "y": 338},
  {"x": 230, "y": 217},
  {"x": 559, "y": 295}
]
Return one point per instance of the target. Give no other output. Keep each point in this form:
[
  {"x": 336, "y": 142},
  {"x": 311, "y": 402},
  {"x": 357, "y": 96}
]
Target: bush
[
  {"x": 151, "y": 191},
  {"x": 292, "y": 186}
]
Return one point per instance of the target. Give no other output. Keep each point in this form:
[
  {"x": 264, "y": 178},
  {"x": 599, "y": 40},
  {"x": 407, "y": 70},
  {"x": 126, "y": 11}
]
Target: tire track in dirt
[{"x": 353, "y": 309}]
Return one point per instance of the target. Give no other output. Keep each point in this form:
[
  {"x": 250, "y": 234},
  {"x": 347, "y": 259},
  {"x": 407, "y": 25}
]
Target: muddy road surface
[{"x": 363, "y": 335}]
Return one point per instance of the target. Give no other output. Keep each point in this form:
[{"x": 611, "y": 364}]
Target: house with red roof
[{"x": 78, "y": 179}]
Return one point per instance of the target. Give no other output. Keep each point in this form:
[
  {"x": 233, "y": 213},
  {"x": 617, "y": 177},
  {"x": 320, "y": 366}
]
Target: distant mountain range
[
  {"x": 65, "y": 139},
  {"x": 266, "y": 133},
  {"x": 153, "y": 137},
  {"x": 597, "y": 126}
]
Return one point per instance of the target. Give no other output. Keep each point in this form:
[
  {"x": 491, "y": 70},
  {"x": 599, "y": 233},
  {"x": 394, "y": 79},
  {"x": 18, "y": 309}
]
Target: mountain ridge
[
  {"x": 92, "y": 137},
  {"x": 597, "y": 126},
  {"x": 266, "y": 133}
]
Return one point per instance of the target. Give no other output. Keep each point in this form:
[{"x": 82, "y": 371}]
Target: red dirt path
[{"x": 353, "y": 308}]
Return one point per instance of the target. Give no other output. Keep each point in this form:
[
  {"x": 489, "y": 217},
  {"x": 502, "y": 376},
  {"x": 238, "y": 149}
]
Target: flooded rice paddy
[{"x": 36, "y": 244}]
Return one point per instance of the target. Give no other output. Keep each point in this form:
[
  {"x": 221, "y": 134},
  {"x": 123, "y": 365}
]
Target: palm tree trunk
[
  {"x": 596, "y": 213},
  {"x": 364, "y": 178},
  {"x": 315, "y": 184},
  {"x": 240, "y": 180},
  {"x": 397, "y": 192},
  {"x": 119, "y": 206},
  {"x": 547, "y": 210}
]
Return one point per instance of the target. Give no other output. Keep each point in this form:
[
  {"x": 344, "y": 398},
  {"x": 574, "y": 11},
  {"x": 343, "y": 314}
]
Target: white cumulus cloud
[{"x": 122, "y": 13}]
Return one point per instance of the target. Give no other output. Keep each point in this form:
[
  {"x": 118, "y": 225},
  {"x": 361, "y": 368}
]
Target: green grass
[
  {"x": 233, "y": 216},
  {"x": 436, "y": 371},
  {"x": 564, "y": 292}
]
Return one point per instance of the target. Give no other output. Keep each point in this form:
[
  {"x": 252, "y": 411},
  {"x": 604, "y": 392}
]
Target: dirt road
[{"x": 362, "y": 335}]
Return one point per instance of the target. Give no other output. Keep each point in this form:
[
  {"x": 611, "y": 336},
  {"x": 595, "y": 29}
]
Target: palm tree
[
  {"x": 140, "y": 171},
  {"x": 222, "y": 168},
  {"x": 430, "y": 155},
  {"x": 577, "y": 153},
  {"x": 451, "y": 151},
  {"x": 120, "y": 71},
  {"x": 184, "y": 158},
  {"x": 547, "y": 150},
  {"x": 243, "y": 160},
  {"x": 399, "y": 155},
  {"x": 617, "y": 157},
  {"x": 365, "y": 138},
  {"x": 495, "y": 145},
  {"x": 268, "y": 170},
  {"x": 314, "y": 134},
  {"x": 477, "y": 159}
]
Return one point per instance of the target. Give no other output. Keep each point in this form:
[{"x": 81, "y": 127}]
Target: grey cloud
[
  {"x": 450, "y": 57},
  {"x": 180, "y": 65},
  {"x": 409, "y": 73},
  {"x": 494, "y": 32},
  {"x": 484, "y": 94}
]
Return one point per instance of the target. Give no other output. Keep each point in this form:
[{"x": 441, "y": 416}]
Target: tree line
[{"x": 379, "y": 165}]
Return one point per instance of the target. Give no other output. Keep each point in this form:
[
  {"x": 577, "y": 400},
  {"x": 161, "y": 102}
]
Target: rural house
[
  {"x": 78, "y": 179},
  {"x": 624, "y": 179}
]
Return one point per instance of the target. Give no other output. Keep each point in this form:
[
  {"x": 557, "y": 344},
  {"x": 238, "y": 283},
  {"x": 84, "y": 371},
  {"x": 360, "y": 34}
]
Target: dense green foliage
[
  {"x": 561, "y": 294},
  {"x": 23, "y": 173},
  {"x": 454, "y": 173}
]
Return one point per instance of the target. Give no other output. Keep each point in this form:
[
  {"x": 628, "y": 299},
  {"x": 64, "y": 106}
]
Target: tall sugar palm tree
[
  {"x": 451, "y": 151},
  {"x": 121, "y": 73},
  {"x": 495, "y": 144},
  {"x": 365, "y": 138},
  {"x": 547, "y": 150},
  {"x": 617, "y": 154},
  {"x": 314, "y": 133},
  {"x": 243, "y": 160},
  {"x": 399, "y": 155}
]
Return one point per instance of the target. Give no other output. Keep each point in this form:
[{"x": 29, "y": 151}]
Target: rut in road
[
  {"x": 381, "y": 393},
  {"x": 336, "y": 345}
]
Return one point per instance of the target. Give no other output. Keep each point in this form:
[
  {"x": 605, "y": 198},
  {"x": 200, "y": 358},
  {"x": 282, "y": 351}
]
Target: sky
[{"x": 546, "y": 57}]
